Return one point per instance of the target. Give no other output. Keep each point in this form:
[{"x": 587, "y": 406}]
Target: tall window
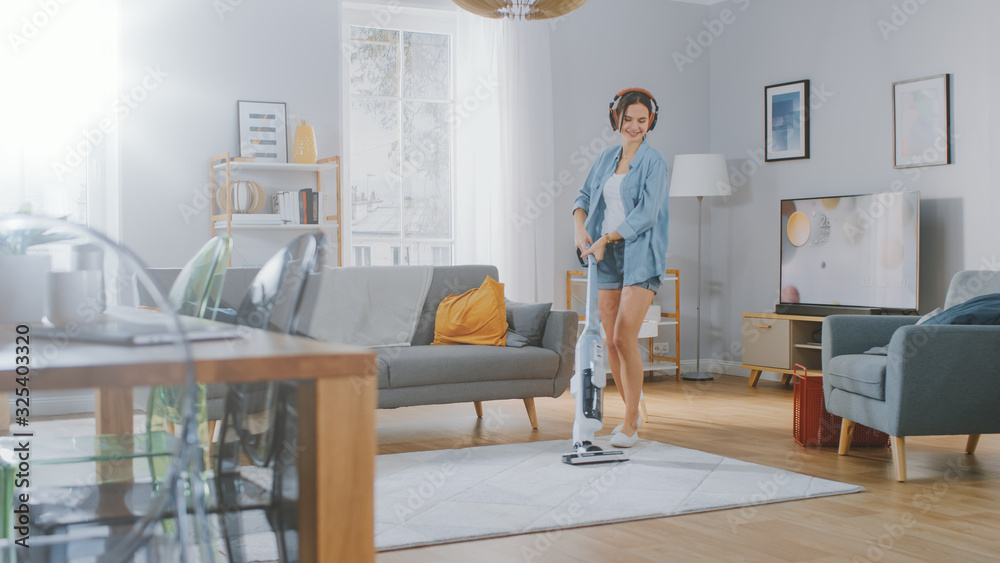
[
  {"x": 57, "y": 151},
  {"x": 401, "y": 137}
]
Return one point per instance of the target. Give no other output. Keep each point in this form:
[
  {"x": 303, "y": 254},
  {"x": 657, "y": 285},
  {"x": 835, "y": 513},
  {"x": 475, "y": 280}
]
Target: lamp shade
[
  {"x": 700, "y": 175},
  {"x": 520, "y": 9}
]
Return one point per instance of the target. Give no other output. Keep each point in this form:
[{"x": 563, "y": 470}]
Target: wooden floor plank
[{"x": 948, "y": 510}]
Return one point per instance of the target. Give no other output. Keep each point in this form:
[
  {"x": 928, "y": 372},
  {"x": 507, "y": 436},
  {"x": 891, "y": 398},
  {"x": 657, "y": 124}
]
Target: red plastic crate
[{"x": 813, "y": 426}]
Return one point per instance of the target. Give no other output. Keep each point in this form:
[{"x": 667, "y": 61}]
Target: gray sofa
[{"x": 421, "y": 374}]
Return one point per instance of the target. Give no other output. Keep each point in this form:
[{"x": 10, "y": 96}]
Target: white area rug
[{"x": 441, "y": 496}]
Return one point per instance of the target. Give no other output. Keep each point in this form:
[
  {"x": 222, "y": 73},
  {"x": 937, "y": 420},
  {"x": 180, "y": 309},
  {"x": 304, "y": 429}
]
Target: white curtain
[{"x": 504, "y": 153}]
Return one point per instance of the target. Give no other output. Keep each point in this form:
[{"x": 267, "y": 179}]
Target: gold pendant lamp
[{"x": 520, "y": 9}]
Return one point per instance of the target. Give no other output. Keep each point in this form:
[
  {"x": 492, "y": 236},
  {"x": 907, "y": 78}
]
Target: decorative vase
[
  {"x": 24, "y": 287},
  {"x": 304, "y": 147},
  {"x": 248, "y": 196}
]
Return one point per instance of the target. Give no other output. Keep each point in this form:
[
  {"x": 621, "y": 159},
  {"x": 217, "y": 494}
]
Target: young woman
[{"x": 621, "y": 219}]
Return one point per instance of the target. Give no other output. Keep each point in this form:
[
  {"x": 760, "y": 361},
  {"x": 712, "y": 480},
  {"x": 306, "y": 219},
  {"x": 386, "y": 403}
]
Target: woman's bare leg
[
  {"x": 632, "y": 308},
  {"x": 608, "y": 300}
]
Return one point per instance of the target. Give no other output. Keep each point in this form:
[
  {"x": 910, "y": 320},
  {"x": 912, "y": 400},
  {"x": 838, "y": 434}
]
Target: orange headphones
[{"x": 613, "y": 111}]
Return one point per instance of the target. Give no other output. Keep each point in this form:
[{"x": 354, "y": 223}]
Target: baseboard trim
[{"x": 726, "y": 367}]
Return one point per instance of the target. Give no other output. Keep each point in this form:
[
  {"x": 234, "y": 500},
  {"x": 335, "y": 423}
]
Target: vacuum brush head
[{"x": 594, "y": 456}]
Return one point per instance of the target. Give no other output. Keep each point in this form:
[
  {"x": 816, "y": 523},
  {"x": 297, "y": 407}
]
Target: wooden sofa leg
[
  {"x": 643, "y": 415},
  {"x": 479, "y": 408},
  {"x": 899, "y": 456},
  {"x": 846, "y": 433},
  {"x": 970, "y": 446},
  {"x": 529, "y": 405}
]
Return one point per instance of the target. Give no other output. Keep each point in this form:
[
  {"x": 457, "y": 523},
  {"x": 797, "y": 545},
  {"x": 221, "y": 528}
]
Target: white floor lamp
[{"x": 699, "y": 175}]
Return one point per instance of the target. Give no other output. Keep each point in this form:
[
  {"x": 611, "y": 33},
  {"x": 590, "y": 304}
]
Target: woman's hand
[
  {"x": 582, "y": 239},
  {"x": 596, "y": 249}
]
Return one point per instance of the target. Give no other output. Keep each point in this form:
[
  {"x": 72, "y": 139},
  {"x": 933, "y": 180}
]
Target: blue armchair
[{"x": 934, "y": 380}]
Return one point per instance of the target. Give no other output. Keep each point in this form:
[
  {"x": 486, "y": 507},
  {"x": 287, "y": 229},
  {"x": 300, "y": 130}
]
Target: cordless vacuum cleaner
[{"x": 588, "y": 382}]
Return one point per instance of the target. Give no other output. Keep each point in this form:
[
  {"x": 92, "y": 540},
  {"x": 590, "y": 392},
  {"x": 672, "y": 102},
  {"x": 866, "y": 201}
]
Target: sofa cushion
[
  {"x": 477, "y": 316},
  {"x": 382, "y": 357},
  {"x": 447, "y": 280},
  {"x": 412, "y": 366},
  {"x": 526, "y": 323},
  {"x": 861, "y": 374}
]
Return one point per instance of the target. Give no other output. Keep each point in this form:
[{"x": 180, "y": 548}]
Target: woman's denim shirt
[{"x": 644, "y": 194}]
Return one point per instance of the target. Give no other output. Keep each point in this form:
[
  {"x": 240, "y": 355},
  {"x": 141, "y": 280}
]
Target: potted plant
[{"x": 24, "y": 277}]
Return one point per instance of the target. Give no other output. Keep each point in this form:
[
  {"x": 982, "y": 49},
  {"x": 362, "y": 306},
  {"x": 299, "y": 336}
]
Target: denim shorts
[{"x": 610, "y": 271}]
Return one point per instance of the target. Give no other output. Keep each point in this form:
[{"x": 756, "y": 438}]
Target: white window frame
[
  {"x": 391, "y": 16},
  {"x": 363, "y": 251}
]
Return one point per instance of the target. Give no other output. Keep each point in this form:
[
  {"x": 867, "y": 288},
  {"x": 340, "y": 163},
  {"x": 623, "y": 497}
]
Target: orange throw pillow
[{"x": 478, "y": 316}]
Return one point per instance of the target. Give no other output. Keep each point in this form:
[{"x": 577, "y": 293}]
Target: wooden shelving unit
[
  {"x": 224, "y": 168},
  {"x": 655, "y": 362}
]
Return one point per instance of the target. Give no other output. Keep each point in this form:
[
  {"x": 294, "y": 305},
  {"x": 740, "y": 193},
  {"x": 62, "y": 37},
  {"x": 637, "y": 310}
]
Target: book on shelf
[
  {"x": 309, "y": 206},
  {"x": 304, "y": 201},
  {"x": 276, "y": 207},
  {"x": 302, "y": 207}
]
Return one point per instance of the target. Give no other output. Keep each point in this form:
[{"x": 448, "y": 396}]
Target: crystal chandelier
[{"x": 520, "y": 9}]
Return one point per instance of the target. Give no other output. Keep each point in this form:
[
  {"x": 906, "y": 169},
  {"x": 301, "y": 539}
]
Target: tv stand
[{"x": 776, "y": 342}]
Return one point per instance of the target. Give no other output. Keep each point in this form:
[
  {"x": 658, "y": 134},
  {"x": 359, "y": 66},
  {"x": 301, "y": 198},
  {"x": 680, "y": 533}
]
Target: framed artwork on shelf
[
  {"x": 921, "y": 124},
  {"x": 786, "y": 121},
  {"x": 263, "y": 131}
]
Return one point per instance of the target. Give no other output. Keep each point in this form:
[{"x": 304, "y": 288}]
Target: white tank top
[{"x": 614, "y": 209}]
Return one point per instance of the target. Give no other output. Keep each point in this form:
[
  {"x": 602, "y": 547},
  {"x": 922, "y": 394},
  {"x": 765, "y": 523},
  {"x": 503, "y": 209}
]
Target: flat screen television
[{"x": 850, "y": 254}]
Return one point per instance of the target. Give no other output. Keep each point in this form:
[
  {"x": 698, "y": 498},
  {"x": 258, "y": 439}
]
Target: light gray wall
[
  {"x": 840, "y": 48},
  {"x": 212, "y": 54},
  {"x": 603, "y": 47},
  {"x": 712, "y": 103}
]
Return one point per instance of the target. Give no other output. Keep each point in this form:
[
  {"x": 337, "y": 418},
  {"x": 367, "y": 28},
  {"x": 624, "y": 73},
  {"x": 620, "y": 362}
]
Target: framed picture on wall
[
  {"x": 921, "y": 122},
  {"x": 786, "y": 121},
  {"x": 262, "y": 131}
]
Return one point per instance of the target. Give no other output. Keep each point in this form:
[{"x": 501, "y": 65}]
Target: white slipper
[
  {"x": 620, "y": 440},
  {"x": 618, "y": 428}
]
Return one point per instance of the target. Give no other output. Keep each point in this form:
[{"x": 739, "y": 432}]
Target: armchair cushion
[
  {"x": 861, "y": 374},
  {"x": 982, "y": 310}
]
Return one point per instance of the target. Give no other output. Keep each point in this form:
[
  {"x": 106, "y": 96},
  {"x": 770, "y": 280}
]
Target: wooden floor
[{"x": 948, "y": 510}]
